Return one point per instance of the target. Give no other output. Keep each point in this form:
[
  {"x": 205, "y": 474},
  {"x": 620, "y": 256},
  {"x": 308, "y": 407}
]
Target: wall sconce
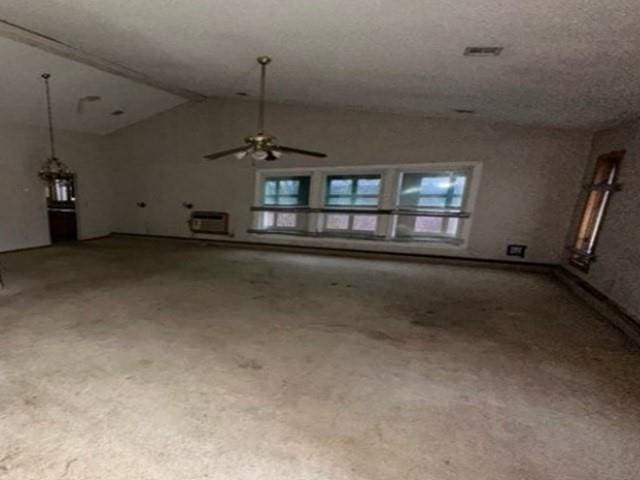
[{"x": 141, "y": 204}]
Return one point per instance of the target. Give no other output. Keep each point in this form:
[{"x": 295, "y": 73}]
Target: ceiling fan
[{"x": 262, "y": 146}]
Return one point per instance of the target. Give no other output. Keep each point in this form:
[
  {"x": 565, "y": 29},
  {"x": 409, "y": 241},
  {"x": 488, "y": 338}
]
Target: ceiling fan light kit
[{"x": 262, "y": 146}]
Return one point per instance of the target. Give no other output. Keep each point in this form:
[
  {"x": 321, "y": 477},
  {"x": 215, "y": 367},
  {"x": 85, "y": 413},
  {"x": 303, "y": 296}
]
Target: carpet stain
[
  {"x": 68, "y": 466},
  {"x": 251, "y": 364},
  {"x": 380, "y": 336}
]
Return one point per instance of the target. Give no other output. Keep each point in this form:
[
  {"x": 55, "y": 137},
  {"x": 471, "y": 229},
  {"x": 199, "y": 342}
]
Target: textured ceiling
[{"x": 571, "y": 63}]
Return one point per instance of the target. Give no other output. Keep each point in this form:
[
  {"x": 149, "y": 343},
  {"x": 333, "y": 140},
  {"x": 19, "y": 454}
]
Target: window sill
[
  {"x": 430, "y": 239},
  {"x": 423, "y": 241},
  {"x": 302, "y": 233},
  {"x": 580, "y": 259},
  {"x": 584, "y": 267},
  {"x": 402, "y": 212}
]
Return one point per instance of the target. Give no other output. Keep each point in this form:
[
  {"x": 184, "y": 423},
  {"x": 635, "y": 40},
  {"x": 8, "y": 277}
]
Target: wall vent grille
[
  {"x": 209, "y": 222},
  {"x": 482, "y": 51}
]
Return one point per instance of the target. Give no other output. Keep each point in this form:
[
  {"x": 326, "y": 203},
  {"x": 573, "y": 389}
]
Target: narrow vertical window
[{"x": 599, "y": 193}]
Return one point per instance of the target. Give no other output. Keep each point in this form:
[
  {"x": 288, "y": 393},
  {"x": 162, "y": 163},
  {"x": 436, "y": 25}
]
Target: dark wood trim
[
  {"x": 93, "y": 239},
  {"x": 357, "y": 253},
  {"x": 24, "y": 249},
  {"x": 48, "y": 245},
  {"x": 584, "y": 263},
  {"x": 618, "y": 316}
]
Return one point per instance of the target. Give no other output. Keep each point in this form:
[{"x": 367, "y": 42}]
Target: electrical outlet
[{"x": 516, "y": 250}]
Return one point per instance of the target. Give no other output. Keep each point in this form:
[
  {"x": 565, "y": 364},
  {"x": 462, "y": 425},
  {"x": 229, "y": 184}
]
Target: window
[
  {"x": 419, "y": 203},
  {"x": 284, "y": 193},
  {"x": 357, "y": 191},
  {"x": 352, "y": 192},
  {"x": 599, "y": 192},
  {"x": 440, "y": 196}
]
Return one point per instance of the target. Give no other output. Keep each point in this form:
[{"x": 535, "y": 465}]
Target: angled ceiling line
[{"x": 49, "y": 44}]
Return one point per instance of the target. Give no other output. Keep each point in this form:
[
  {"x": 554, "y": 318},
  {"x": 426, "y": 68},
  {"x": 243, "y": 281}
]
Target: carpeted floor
[{"x": 130, "y": 359}]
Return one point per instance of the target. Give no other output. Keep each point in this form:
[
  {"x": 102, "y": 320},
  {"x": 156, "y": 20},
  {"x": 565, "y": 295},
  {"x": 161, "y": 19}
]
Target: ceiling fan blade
[
  {"x": 213, "y": 156},
  {"x": 300, "y": 151}
]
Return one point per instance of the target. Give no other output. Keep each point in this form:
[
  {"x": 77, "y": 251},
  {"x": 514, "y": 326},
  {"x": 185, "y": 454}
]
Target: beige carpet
[{"x": 129, "y": 359}]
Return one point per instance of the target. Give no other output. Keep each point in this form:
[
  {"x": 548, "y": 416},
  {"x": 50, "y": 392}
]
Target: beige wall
[
  {"x": 616, "y": 271},
  {"x": 529, "y": 184},
  {"x": 23, "y": 215}
]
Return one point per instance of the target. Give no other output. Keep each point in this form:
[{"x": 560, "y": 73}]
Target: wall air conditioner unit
[{"x": 209, "y": 222}]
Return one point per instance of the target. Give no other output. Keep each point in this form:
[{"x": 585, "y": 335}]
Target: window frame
[
  {"x": 593, "y": 215},
  {"x": 467, "y": 171},
  {"x": 350, "y": 210},
  {"x": 286, "y": 209},
  {"x": 386, "y": 209},
  {"x": 354, "y": 190}
]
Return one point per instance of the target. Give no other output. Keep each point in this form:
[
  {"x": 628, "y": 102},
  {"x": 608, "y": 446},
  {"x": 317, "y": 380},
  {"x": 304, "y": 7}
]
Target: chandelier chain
[{"x": 46, "y": 77}]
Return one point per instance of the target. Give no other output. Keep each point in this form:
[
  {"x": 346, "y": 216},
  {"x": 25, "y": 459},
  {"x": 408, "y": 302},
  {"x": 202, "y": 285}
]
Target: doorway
[{"x": 61, "y": 208}]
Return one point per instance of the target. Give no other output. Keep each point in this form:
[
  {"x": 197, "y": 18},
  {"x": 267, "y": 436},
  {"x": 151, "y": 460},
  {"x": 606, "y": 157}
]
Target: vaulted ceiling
[
  {"x": 570, "y": 63},
  {"x": 22, "y": 97}
]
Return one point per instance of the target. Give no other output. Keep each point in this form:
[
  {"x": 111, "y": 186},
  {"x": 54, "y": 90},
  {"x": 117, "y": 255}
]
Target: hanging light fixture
[{"x": 52, "y": 169}]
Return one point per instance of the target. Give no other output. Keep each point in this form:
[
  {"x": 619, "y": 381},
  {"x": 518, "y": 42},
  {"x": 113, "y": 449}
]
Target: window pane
[
  {"x": 353, "y": 190},
  {"x": 594, "y": 207},
  {"x": 459, "y": 184},
  {"x": 433, "y": 202},
  {"x": 340, "y": 186},
  {"x": 286, "y": 191},
  {"x": 455, "y": 201},
  {"x": 605, "y": 171},
  {"x": 371, "y": 201},
  {"x": 434, "y": 185},
  {"x": 436, "y": 190},
  {"x": 339, "y": 201},
  {"x": 368, "y": 186},
  {"x": 428, "y": 225},
  {"x": 269, "y": 187},
  {"x": 267, "y": 219},
  {"x": 289, "y": 187},
  {"x": 452, "y": 227},
  {"x": 590, "y": 219},
  {"x": 366, "y": 223},
  {"x": 287, "y": 200},
  {"x": 287, "y": 220},
  {"x": 337, "y": 222}
]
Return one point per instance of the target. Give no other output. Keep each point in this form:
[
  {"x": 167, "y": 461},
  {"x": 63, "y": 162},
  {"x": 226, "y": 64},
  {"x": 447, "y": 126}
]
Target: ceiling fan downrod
[
  {"x": 263, "y": 61},
  {"x": 262, "y": 146}
]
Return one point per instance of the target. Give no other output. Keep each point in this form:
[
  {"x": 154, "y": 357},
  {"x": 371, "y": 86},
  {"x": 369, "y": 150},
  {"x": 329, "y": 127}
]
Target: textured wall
[
  {"x": 616, "y": 272},
  {"x": 529, "y": 184},
  {"x": 23, "y": 214}
]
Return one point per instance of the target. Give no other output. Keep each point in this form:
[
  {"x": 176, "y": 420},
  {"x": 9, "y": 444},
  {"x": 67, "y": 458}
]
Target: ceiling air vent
[{"x": 482, "y": 51}]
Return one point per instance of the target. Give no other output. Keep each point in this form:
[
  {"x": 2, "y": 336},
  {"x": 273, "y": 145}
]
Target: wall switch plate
[{"x": 516, "y": 250}]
